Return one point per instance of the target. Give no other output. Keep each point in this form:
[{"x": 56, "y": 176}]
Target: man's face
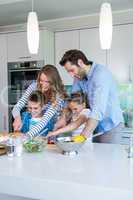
[{"x": 75, "y": 71}]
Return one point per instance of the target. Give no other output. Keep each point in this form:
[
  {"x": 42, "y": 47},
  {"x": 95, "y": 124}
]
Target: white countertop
[{"x": 99, "y": 171}]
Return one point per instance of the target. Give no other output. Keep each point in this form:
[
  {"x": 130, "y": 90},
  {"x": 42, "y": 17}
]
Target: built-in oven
[{"x": 20, "y": 76}]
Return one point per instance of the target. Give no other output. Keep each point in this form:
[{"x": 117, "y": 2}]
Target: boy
[{"x": 35, "y": 113}]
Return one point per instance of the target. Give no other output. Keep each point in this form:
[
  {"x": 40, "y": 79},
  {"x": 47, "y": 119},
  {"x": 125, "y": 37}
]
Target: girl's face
[
  {"x": 35, "y": 109},
  {"x": 75, "y": 107},
  {"x": 44, "y": 82}
]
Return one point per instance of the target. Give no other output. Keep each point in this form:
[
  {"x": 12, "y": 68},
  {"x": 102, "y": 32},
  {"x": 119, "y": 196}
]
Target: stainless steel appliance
[{"x": 20, "y": 76}]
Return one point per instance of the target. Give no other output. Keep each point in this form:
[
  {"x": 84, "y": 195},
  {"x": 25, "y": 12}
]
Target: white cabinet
[
  {"x": 65, "y": 41},
  {"x": 119, "y": 57},
  {"x": 90, "y": 45},
  {"x": 17, "y": 47},
  {"x": 48, "y": 46},
  {"x": 121, "y": 53},
  {"x": 3, "y": 84}
]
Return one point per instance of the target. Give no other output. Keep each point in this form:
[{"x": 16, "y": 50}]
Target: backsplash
[
  {"x": 126, "y": 96},
  {"x": 126, "y": 102}
]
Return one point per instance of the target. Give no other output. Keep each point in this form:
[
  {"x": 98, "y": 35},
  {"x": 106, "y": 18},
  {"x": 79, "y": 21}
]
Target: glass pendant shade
[
  {"x": 105, "y": 26},
  {"x": 33, "y": 33}
]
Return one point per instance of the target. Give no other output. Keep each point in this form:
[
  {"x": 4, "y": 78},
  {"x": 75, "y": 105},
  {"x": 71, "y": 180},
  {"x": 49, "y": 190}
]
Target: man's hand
[{"x": 17, "y": 123}]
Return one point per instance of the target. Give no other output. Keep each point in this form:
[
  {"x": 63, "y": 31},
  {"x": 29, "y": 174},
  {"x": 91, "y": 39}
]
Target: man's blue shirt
[{"x": 102, "y": 95}]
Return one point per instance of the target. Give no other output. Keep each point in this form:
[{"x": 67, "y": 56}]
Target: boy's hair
[
  {"x": 73, "y": 56},
  {"x": 78, "y": 97},
  {"x": 37, "y": 97}
]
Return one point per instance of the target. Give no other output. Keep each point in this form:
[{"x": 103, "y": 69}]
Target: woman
[{"x": 50, "y": 84}]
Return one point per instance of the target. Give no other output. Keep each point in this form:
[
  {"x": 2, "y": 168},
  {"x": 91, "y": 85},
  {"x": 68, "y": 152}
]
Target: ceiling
[{"x": 15, "y": 11}]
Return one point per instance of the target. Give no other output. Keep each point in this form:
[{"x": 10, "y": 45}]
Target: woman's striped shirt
[{"x": 50, "y": 110}]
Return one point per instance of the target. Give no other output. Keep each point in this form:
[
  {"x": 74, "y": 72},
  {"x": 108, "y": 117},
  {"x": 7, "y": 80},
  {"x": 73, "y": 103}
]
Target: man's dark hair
[{"x": 73, "y": 56}]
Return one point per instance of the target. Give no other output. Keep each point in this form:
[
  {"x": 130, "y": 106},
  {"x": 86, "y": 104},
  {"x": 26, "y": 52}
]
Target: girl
[
  {"x": 74, "y": 117},
  {"x": 50, "y": 84}
]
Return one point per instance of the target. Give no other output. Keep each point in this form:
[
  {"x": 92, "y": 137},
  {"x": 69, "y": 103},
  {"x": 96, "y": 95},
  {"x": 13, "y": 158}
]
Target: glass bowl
[{"x": 35, "y": 145}]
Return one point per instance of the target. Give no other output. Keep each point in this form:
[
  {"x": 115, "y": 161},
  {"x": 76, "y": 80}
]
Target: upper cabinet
[
  {"x": 17, "y": 47},
  {"x": 121, "y": 54},
  {"x": 90, "y": 45},
  {"x": 65, "y": 41}
]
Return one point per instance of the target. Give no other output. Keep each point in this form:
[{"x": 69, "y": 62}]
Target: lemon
[{"x": 78, "y": 138}]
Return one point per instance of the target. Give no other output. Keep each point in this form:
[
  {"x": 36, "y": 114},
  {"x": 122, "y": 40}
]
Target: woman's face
[{"x": 44, "y": 82}]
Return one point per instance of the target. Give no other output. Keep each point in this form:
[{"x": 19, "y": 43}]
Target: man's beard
[{"x": 81, "y": 74}]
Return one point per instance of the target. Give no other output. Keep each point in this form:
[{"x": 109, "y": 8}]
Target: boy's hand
[{"x": 17, "y": 123}]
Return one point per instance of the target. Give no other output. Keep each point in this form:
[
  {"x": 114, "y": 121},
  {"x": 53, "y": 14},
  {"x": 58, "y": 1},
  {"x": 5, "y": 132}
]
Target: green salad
[{"x": 34, "y": 145}]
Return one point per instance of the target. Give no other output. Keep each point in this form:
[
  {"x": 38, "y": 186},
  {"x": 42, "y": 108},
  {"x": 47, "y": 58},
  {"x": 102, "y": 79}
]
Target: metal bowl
[{"x": 67, "y": 146}]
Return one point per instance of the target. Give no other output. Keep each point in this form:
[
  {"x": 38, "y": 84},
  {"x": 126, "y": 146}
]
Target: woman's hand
[
  {"x": 17, "y": 123},
  {"x": 51, "y": 133}
]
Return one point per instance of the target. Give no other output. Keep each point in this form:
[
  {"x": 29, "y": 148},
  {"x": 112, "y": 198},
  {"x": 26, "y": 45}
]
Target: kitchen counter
[{"x": 99, "y": 171}]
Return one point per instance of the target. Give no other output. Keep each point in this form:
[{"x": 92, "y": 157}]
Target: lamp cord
[{"x": 32, "y": 5}]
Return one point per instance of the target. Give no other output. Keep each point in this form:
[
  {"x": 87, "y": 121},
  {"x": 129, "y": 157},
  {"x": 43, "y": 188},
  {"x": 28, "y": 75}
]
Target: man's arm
[{"x": 91, "y": 124}]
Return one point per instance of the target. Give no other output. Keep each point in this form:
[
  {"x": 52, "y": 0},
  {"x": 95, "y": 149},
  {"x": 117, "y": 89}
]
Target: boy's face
[
  {"x": 35, "y": 109},
  {"x": 75, "y": 107}
]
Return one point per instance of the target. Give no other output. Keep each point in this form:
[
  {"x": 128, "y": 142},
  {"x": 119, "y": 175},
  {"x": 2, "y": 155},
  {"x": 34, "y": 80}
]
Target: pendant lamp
[
  {"x": 105, "y": 26},
  {"x": 33, "y": 32}
]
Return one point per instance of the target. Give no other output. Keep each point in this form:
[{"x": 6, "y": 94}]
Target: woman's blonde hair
[{"x": 56, "y": 85}]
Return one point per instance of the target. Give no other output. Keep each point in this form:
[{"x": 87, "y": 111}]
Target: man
[{"x": 97, "y": 82}]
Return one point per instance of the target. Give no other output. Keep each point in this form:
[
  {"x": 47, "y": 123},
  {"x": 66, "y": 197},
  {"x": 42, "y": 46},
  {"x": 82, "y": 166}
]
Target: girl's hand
[{"x": 17, "y": 123}]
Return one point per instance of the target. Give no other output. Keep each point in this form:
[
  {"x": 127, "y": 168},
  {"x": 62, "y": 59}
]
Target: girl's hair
[
  {"x": 37, "y": 97},
  {"x": 78, "y": 97},
  {"x": 56, "y": 85}
]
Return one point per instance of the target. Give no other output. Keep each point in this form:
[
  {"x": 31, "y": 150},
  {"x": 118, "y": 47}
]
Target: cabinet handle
[
  {"x": 4, "y": 123},
  {"x": 25, "y": 57}
]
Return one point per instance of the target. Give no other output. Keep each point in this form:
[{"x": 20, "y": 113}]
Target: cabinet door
[
  {"x": 47, "y": 41},
  {"x": 90, "y": 45},
  {"x": 121, "y": 53},
  {"x": 3, "y": 85},
  {"x": 18, "y": 49},
  {"x": 65, "y": 41}
]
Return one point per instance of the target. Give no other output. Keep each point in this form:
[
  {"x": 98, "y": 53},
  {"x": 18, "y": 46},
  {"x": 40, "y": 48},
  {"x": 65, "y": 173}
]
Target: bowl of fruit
[{"x": 70, "y": 145}]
